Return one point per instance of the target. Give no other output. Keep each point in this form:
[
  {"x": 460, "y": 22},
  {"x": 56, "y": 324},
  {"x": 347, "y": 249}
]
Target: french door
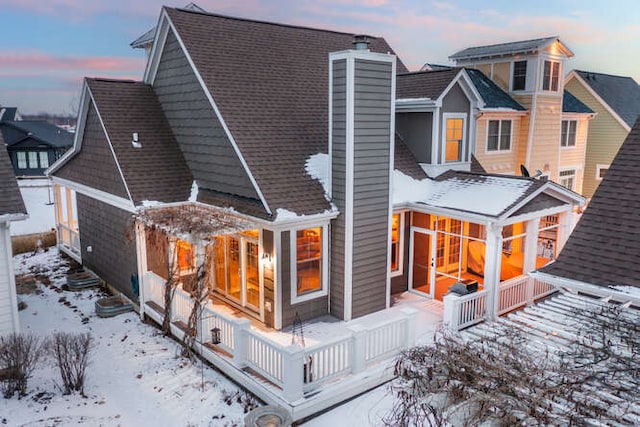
[
  {"x": 237, "y": 270},
  {"x": 422, "y": 261}
]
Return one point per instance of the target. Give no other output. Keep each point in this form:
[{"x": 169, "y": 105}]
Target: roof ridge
[
  {"x": 111, "y": 80},
  {"x": 514, "y": 42},
  {"x": 259, "y": 21},
  {"x": 605, "y": 74},
  {"x": 410, "y": 73}
]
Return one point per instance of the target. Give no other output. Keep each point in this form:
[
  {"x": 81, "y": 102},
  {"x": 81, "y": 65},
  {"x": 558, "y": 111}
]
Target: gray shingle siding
[
  {"x": 338, "y": 176},
  {"x": 107, "y": 230},
  {"x": 206, "y": 148},
  {"x": 371, "y": 185}
]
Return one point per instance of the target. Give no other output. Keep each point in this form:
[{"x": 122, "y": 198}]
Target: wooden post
[
  {"x": 410, "y": 331},
  {"x": 293, "y": 369},
  {"x": 241, "y": 341},
  {"x": 358, "y": 355},
  {"x": 451, "y": 315},
  {"x": 492, "y": 266}
]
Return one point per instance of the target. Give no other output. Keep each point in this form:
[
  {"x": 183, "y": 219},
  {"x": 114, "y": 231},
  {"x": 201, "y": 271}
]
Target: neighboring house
[
  {"x": 33, "y": 146},
  {"x": 11, "y": 209},
  {"x": 316, "y": 177},
  {"x": 601, "y": 256},
  {"x": 546, "y": 138},
  {"x": 616, "y": 100}
]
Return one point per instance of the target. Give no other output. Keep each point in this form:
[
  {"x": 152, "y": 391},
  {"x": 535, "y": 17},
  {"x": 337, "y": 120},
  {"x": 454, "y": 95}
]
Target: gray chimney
[
  {"x": 361, "y": 42},
  {"x": 361, "y": 112}
]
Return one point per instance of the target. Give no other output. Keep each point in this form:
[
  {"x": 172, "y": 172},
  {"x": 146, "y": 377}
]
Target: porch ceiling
[{"x": 191, "y": 221}]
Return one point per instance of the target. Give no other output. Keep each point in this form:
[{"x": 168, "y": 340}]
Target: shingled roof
[
  {"x": 15, "y": 132},
  {"x": 424, "y": 84},
  {"x": 270, "y": 83},
  {"x": 11, "y": 202},
  {"x": 506, "y": 49},
  {"x": 571, "y": 104},
  {"x": 492, "y": 95},
  {"x": 622, "y": 94},
  {"x": 604, "y": 248}
]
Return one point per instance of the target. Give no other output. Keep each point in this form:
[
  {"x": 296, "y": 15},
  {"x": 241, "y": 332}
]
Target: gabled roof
[
  {"x": 11, "y": 202},
  {"x": 425, "y": 84},
  {"x": 270, "y": 84},
  {"x": 40, "y": 131},
  {"x": 492, "y": 94},
  {"x": 8, "y": 114},
  {"x": 604, "y": 248},
  {"x": 571, "y": 104},
  {"x": 147, "y": 38},
  {"x": 621, "y": 94},
  {"x": 154, "y": 172},
  {"x": 523, "y": 47}
]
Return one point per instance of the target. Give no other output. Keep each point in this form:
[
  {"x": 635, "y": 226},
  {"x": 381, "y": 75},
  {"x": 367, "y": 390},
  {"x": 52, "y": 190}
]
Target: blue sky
[{"x": 47, "y": 46}]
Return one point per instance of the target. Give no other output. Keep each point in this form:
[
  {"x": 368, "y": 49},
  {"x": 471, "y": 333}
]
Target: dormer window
[
  {"x": 454, "y": 145},
  {"x": 551, "y": 76},
  {"x": 519, "y": 81}
]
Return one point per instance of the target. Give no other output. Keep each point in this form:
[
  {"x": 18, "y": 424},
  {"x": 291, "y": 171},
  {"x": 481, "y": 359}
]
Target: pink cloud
[{"x": 44, "y": 62}]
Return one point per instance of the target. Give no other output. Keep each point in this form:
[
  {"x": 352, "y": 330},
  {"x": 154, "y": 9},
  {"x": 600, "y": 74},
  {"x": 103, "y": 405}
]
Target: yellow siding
[
  {"x": 605, "y": 136},
  {"x": 498, "y": 162},
  {"x": 573, "y": 157},
  {"x": 485, "y": 68},
  {"x": 525, "y": 101},
  {"x": 501, "y": 74},
  {"x": 544, "y": 153}
]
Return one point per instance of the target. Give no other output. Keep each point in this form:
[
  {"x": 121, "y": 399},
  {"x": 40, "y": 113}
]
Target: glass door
[{"x": 421, "y": 272}]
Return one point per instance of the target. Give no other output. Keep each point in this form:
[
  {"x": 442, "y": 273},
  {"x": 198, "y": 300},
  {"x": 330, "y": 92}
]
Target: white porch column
[
  {"x": 531, "y": 245},
  {"x": 492, "y": 261},
  {"x": 564, "y": 229},
  {"x": 141, "y": 254}
]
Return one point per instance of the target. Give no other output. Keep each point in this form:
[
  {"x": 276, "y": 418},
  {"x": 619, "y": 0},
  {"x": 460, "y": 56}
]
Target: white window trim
[
  {"x": 600, "y": 166},
  {"x": 498, "y": 151},
  {"x": 526, "y": 77},
  {"x": 575, "y": 142},
  {"x": 323, "y": 291},
  {"x": 443, "y": 144},
  {"x": 400, "y": 270},
  {"x": 542, "y": 81},
  {"x": 573, "y": 169}
]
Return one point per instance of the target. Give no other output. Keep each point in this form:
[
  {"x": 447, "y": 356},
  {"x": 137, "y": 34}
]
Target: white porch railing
[
  {"x": 463, "y": 311},
  {"x": 293, "y": 369},
  {"x": 521, "y": 291}
]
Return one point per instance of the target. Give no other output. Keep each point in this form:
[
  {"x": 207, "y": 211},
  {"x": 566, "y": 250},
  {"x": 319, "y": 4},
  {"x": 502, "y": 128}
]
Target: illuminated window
[
  {"x": 567, "y": 178},
  {"x": 568, "y": 136},
  {"x": 499, "y": 135},
  {"x": 22, "y": 159},
  {"x": 551, "y": 76},
  {"x": 308, "y": 267},
  {"x": 396, "y": 224},
  {"x": 519, "y": 75},
  {"x": 184, "y": 256},
  {"x": 454, "y": 139}
]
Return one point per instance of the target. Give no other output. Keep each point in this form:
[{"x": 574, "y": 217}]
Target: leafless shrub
[
  {"x": 504, "y": 377},
  {"x": 19, "y": 356},
  {"x": 71, "y": 353}
]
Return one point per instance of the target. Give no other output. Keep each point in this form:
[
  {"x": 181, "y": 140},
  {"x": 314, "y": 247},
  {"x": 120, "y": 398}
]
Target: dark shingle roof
[
  {"x": 405, "y": 162},
  {"x": 147, "y": 38},
  {"x": 270, "y": 83},
  {"x": 604, "y": 248},
  {"x": 622, "y": 94},
  {"x": 8, "y": 114},
  {"x": 10, "y": 198},
  {"x": 512, "y": 48},
  {"x": 492, "y": 94},
  {"x": 157, "y": 171},
  {"x": 571, "y": 104},
  {"x": 41, "y": 131},
  {"x": 424, "y": 84}
]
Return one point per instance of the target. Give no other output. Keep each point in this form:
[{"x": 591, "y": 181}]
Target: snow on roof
[{"x": 482, "y": 194}]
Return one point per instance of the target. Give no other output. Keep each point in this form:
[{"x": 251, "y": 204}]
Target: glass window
[
  {"x": 499, "y": 135},
  {"x": 567, "y": 178},
  {"x": 395, "y": 242},
  {"x": 551, "y": 76},
  {"x": 44, "y": 159},
  {"x": 547, "y": 237},
  {"x": 308, "y": 260},
  {"x": 33, "y": 160},
  {"x": 519, "y": 75},
  {"x": 568, "y": 136},
  {"x": 22, "y": 159},
  {"x": 454, "y": 140},
  {"x": 184, "y": 256}
]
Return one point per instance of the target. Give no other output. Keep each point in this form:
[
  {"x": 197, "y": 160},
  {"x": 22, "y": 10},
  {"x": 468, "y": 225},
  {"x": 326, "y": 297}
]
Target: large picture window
[
  {"x": 519, "y": 81},
  {"x": 568, "y": 136},
  {"x": 551, "y": 76},
  {"x": 454, "y": 139},
  {"x": 396, "y": 243},
  {"x": 308, "y": 264},
  {"x": 499, "y": 135}
]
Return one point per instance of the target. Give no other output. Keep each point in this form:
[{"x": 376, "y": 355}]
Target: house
[
  {"x": 11, "y": 209},
  {"x": 616, "y": 100},
  {"x": 32, "y": 145},
  {"x": 600, "y": 257},
  {"x": 314, "y": 177},
  {"x": 548, "y": 135}
]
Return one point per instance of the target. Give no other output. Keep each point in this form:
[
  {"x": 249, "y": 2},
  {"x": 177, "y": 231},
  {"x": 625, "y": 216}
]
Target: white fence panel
[
  {"x": 327, "y": 361},
  {"x": 542, "y": 288},
  {"x": 154, "y": 288},
  {"x": 181, "y": 306},
  {"x": 384, "y": 340},
  {"x": 265, "y": 357},
  {"x": 212, "y": 319},
  {"x": 513, "y": 294},
  {"x": 472, "y": 309}
]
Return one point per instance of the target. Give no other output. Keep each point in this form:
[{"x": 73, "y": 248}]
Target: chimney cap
[{"x": 361, "y": 42}]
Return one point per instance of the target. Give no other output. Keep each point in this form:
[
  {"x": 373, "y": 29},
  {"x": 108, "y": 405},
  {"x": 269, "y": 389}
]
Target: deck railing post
[
  {"x": 241, "y": 341},
  {"x": 530, "y": 290},
  {"x": 358, "y": 361},
  {"x": 293, "y": 373},
  {"x": 451, "y": 315},
  {"x": 410, "y": 315}
]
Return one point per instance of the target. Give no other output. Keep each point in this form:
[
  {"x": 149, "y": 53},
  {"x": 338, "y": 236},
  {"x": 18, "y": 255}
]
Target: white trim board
[{"x": 94, "y": 193}]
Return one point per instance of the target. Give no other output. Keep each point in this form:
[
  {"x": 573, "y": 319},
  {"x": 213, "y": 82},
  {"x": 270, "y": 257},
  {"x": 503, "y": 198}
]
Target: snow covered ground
[
  {"x": 136, "y": 376},
  {"x": 37, "y": 196}
]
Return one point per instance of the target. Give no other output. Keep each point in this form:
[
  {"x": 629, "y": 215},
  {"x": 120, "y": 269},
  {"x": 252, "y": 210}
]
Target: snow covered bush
[
  {"x": 19, "y": 356},
  {"x": 71, "y": 353},
  {"x": 510, "y": 375}
]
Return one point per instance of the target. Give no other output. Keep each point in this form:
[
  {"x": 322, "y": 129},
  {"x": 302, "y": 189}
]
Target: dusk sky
[{"x": 47, "y": 46}]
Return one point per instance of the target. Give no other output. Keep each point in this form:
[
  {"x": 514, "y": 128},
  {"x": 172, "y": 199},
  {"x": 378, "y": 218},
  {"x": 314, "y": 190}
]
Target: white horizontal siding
[{"x": 8, "y": 304}]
